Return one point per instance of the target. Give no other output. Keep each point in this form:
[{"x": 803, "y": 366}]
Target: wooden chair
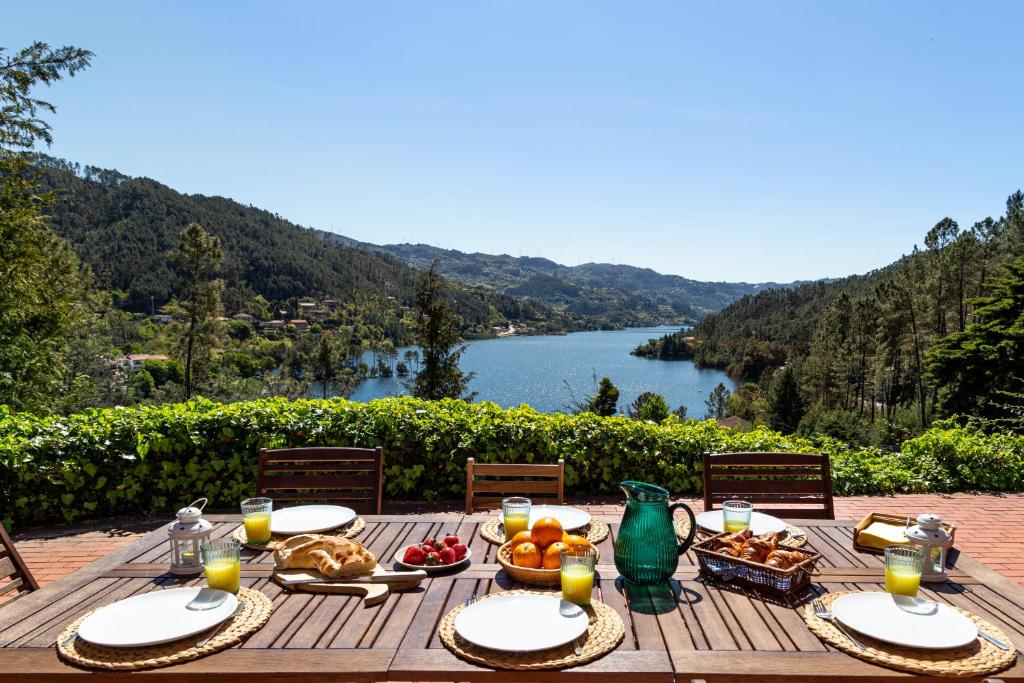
[
  {"x": 547, "y": 480},
  {"x": 771, "y": 478},
  {"x": 353, "y": 477},
  {"x": 14, "y": 573}
]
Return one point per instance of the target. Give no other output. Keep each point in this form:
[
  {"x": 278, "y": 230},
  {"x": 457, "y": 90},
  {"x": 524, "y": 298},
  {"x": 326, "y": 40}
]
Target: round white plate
[
  {"x": 877, "y": 615},
  {"x": 309, "y": 519},
  {"x": 760, "y": 523},
  {"x": 569, "y": 517},
  {"x": 435, "y": 568},
  {"x": 519, "y": 623},
  {"x": 152, "y": 618}
]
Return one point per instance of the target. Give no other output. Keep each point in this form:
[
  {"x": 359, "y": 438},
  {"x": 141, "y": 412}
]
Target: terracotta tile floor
[{"x": 988, "y": 528}]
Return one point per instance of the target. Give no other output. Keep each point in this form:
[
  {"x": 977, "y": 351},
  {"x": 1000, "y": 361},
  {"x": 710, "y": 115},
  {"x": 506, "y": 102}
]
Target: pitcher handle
[{"x": 685, "y": 545}]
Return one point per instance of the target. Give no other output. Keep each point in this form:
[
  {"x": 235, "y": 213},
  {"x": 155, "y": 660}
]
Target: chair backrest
[
  {"x": 352, "y": 477},
  {"x": 773, "y": 479},
  {"x": 494, "y": 482},
  {"x": 14, "y": 574}
]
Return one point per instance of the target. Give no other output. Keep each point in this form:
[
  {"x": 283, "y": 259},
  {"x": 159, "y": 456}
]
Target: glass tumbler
[
  {"x": 515, "y": 513},
  {"x": 256, "y": 518},
  {"x": 577, "y": 574},
  {"x": 221, "y": 564},
  {"x": 736, "y": 515},
  {"x": 903, "y": 567}
]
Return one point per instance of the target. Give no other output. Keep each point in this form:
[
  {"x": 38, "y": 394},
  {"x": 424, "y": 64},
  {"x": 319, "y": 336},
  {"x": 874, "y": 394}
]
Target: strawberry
[
  {"x": 450, "y": 540},
  {"x": 431, "y": 541},
  {"x": 460, "y": 551},
  {"x": 447, "y": 556},
  {"x": 427, "y": 548},
  {"x": 414, "y": 555},
  {"x": 432, "y": 560}
]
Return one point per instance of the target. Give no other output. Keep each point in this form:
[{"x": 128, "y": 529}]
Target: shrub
[{"x": 154, "y": 459}]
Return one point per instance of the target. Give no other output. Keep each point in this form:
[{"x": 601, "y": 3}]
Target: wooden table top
[{"x": 701, "y": 632}]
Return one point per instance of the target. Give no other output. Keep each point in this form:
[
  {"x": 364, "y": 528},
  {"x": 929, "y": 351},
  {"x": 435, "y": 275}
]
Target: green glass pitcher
[{"x": 646, "y": 548}]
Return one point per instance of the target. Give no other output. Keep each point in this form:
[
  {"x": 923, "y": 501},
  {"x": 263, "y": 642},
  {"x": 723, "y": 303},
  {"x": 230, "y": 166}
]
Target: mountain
[
  {"x": 126, "y": 229},
  {"x": 614, "y": 294}
]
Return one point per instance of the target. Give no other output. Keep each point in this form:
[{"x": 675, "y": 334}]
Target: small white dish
[
  {"x": 878, "y": 615},
  {"x": 152, "y": 618},
  {"x": 309, "y": 519},
  {"x": 569, "y": 517},
  {"x": 760, "y": 523},
  {"x": 434, "y": 569},
  {"x": 519, "y": 623}
]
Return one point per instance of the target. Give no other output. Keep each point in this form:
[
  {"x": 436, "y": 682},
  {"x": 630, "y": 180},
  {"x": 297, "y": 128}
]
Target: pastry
[{"x": 332, "y": 556}]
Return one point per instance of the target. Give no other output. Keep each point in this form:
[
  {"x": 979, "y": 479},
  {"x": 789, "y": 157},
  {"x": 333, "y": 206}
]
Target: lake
[{"x": 535, "y": 370}]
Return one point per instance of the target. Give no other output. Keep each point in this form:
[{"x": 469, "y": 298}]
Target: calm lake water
[{"x": 535, "y": 370}]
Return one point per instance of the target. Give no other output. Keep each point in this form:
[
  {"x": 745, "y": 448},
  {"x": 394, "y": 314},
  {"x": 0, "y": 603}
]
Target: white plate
[
  {"x": 569, "y": 517},
  {"x": 309, "y": 519},
  {"x": 152, "y": 618},
  {"x": 877, "y": 615},
  {"x": 435, "y": 568},
  {"x": 760, "y": 523},
  {"x": 519, "y": 623}
]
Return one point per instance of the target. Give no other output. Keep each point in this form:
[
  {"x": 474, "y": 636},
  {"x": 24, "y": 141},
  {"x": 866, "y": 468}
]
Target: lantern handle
[{"x": 193, "y": 503}]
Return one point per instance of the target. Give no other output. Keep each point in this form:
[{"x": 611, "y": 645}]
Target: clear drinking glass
[
  {"x": 736, "y": 515},
  {"x": 515, "y": 514},
  {"x": 578, "y": 574},
  {"x": 221, "y": 564},
  {"x": 256, "y": 518},
  {"x": 903, "y": 567}
]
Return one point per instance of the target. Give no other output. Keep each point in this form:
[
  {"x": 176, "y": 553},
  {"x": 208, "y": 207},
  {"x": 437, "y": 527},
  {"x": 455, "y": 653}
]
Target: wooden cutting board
[{"x": 371, "y": 593}]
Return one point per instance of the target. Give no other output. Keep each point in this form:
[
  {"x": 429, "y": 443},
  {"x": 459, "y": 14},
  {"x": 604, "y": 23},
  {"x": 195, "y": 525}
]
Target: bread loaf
[{"x": 332, "y": 556}]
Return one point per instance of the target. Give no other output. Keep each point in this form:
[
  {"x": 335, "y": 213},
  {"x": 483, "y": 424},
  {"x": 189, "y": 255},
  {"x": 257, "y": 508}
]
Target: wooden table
[{"x": 702, "y": 633}]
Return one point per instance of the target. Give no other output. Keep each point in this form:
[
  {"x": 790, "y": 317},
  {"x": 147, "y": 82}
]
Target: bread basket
[
  {"x": 536, "y": 577},
  {"x": 784, "y": 582}
]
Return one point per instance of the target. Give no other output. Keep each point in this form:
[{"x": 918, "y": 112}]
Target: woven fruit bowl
[{"x": 535, "y": 577}]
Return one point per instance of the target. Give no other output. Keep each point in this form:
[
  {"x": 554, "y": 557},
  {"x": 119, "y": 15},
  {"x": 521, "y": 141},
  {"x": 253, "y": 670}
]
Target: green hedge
[{"x": 155, "y": 459}]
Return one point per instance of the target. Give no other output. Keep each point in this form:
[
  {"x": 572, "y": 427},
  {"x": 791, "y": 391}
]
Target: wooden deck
[{"x": 694, "y": 631}]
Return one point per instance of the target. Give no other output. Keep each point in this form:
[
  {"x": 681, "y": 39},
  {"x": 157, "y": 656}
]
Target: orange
[
  {"x": 575, "y": 541},
  {"x": 527, "y": 555},
  {"x": 552, "y": 559},
  {"x": 521, "y": 537},
  {"x": 546, "y": 531}
]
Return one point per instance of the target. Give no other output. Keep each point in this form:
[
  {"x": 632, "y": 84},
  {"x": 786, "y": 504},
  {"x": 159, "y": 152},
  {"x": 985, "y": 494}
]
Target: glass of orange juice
[
  {"x": 736, "y": 515},
  {"x": 256, "y": 518},
  {"x": 515, "y": 513},
  {"x": 903, "y": 567},
  {"x": 221, "y": 564},
  {"x": 578, "y": 574}
]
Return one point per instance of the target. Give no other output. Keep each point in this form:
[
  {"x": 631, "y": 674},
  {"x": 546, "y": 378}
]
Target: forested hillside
[{"x": 897, "y": 344}]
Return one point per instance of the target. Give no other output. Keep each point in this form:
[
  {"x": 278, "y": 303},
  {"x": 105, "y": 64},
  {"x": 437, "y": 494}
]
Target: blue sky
[{"x": 720, "y": 141}]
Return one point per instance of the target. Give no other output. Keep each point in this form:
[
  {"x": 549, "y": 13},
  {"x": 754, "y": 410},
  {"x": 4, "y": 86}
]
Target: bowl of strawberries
[{"x": 433, "y": 555}]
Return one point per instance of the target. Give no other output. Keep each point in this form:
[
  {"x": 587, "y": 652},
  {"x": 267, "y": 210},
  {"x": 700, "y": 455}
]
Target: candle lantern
[
  {"x": 930, "y": 535},
  {"x": 186, "y": 535}
]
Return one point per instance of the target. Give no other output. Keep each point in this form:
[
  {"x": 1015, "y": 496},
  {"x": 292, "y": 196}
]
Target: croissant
[
  {"x": 738, "y": 536},
  {"x": 755, "y": 550},
  {"x": 332, "y": 556},
  {"x": 732, "y": 550},
  {"x": 783, "y": 559}
]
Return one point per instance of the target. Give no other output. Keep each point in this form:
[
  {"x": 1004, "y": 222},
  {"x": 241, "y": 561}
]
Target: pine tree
[
  {"x": 605, "y": 401},
  {"x": 198, "y": 259},
  {"x": 716, "y": 402},
  {"x": 786, "y": 404},
  {"x": 439, "y": 375},
  {"x": 649, "y": 406}
]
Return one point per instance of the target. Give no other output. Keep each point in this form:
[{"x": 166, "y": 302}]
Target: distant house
[
  {"x": 300, "y": 325},
  {"x": 329, "y": 303},
  {"x": 734, "y": 422},
  {"x": 272, "y": 325},
  {"x": 243, "y": 316},
  {"x": 134, "y": 361},
  {"x": 162, "y": 318}
]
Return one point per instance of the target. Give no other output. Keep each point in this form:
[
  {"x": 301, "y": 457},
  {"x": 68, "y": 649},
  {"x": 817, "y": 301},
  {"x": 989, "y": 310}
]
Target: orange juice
[
  {"x": 733, "y": 525},
  {"x": 257, "y": 527},
  {"x": 514, "y": 524},
  {"x": 223, "y": 573},
  {"x": 902, "y": 581},
  {"x": 577, "y": 584}
]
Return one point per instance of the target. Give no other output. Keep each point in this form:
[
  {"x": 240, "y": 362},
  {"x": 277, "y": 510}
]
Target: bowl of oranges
[{"x": 534, "y": 556}]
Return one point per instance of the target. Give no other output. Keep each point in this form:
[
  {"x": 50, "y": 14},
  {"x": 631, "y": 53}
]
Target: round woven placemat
[
  {"x": 603, "y": 635},
  {"x": 254, "y": 611},
  {"x": 351, "y": 531},
  {"x": 978, "y": 659},
  {"x": 493, "y": 532},
  {"x": 794, "y": 536}
]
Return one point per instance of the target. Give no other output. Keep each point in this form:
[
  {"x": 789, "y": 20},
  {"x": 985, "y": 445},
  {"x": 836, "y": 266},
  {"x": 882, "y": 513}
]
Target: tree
[
  {"x": 439, "y": 375},
  {"x": 198, "y": 259},
  {"x": 40, "y": 287},
  {"x": 716, "y": 402},
  {"x": 327, "y": 361},
  {"x": 649, "y": 406},
  {"x": 786, "y": 404},
  {"x": 606, "y": 400}
]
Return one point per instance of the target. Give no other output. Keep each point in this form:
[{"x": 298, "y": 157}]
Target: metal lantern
[
  {"x": 186, "y": 535},
  {"x": 929, "y": 534}
]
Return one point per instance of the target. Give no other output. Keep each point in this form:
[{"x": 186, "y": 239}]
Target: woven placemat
[
  {"x": 492, "y": 531},
  {"x": 793, "y": 537},
  {"x": 253, "y": 612},
  {"x": 978, "y": 659},
  {"x": 603, "y": 635},
  {"x": 354, "y": 528}
]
